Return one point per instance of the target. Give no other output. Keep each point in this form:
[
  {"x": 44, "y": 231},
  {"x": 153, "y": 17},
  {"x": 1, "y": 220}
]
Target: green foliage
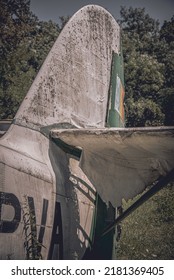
[
  {"x": 136, "y": 21},
  {"x": 167, "y": 104},
  {"x": 143, "y": 112},
  {"x": 148, "y": 232},
  {"x": 63, "y": 21},
  {"x": 166, "y": 55},
  {"x": 167, "y": 31},
  {"x": 25, "y": 42},
  {"x": 143, "y": 76},
  {"x": 15, "y": 81},
  {"x": 149, "y": 69},
  {"x": 140, "y": 28},
  {"x": 16, "y": 22}
]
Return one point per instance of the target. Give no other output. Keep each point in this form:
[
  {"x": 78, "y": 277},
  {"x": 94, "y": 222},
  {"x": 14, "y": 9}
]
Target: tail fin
[
  {"x": 73, "y": 84},
  {"x": 115, "y": 115}
]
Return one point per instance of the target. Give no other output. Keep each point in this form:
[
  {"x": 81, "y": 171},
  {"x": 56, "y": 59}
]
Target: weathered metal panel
[
  {"x": 72, "y": 85},
  {"x": 135, "y": 157},
  {"x": 19, "y": 185},
  {"x": 76, "y": 196}
]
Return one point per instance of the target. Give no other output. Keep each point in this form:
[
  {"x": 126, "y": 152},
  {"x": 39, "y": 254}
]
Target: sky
[{"x": 53, "y": 9}]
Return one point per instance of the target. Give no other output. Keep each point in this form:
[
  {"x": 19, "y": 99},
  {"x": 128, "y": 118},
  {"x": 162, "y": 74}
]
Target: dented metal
[
  {"x": 121, "y": 162},
  {"x": 58, "y": 163},
  {"x": 71, "y": 89}
]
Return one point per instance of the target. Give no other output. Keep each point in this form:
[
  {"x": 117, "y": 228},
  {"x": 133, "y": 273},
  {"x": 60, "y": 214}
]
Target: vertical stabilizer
[
  {"x": 115, "y": 114},
  {"x": 72, "y": 85}
]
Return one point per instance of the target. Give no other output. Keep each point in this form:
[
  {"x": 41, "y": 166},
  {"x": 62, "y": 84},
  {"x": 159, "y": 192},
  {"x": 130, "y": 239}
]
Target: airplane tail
[
  {"x": 115, "y": 108},
  {"x": 75, "y": 84}
]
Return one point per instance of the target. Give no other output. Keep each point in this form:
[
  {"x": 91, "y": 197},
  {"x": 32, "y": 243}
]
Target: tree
[
  {"x": 140, "y": 27},
  {"x": 167, "y": 31},
  {"x": 143, "y": 112},
  {"x": 25, "y": 42},
  {"x": 144, "y": 72},
  {"x": 16, "y": 22},
  {"x": 143, "y": 76},
  {"x": 166, "y": 55}
]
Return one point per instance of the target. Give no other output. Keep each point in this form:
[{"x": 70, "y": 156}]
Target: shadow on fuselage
[
  {"x": 72, "y": 239},
  {"x": 82, "y": 214}
]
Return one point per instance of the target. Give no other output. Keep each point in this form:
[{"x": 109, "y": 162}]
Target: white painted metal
[
  {"x": 72, "y": 86},
  {"x": 121, "y": 162}
]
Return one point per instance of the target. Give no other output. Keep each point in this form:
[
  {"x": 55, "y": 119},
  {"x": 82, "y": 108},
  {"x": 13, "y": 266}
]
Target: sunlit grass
[{"x": 148, "y": 233}]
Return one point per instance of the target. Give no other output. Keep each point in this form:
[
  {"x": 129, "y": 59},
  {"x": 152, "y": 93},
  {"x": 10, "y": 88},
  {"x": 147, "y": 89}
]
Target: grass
[{"x": 148, "y": 233}]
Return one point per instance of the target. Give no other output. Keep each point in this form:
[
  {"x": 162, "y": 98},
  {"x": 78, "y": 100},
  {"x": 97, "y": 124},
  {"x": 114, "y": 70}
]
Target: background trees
[
  {"x": 166, "y": 56},
  {"x": 25, "y": 42},
  {"x": 148, "y": 57}
]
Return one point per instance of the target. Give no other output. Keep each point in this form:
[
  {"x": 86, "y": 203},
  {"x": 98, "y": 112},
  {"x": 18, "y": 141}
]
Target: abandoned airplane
[{"x": 66, "y": 161}]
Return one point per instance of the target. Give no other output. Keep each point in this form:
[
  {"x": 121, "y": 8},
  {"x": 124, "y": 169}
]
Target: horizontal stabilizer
[{"x": 121, "y": 162}]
